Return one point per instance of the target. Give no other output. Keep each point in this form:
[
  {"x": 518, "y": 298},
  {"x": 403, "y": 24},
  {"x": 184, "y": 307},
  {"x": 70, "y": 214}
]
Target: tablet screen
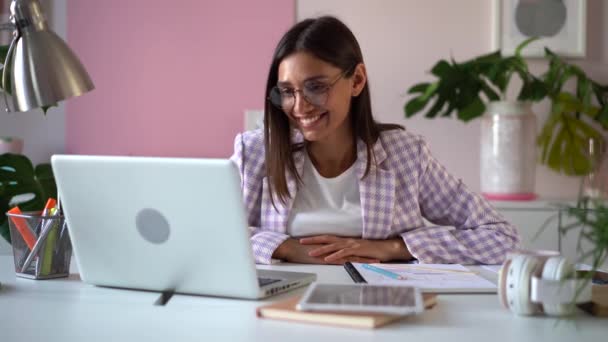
[{"x": 334, "y": 295}]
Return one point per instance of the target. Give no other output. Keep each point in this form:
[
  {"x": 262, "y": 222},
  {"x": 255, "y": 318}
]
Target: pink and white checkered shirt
[{"x": 408, "y": 184}]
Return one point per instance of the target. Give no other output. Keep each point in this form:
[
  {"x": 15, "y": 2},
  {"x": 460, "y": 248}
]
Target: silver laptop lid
[{"x": 163, "y": 224}]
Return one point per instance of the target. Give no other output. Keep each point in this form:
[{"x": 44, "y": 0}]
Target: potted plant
[
  {"x": 23, "y": 184},
  {"x": 465, "y": 87},
  {"x": 576, "y": 117}
]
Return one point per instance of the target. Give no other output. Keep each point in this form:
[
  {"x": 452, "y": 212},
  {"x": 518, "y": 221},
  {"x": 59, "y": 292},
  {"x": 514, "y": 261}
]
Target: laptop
[{"x": 163, "y": 224}]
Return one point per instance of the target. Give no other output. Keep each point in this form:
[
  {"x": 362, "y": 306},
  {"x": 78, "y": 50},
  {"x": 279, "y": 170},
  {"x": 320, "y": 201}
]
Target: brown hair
[{"x": 328, "y": 39}]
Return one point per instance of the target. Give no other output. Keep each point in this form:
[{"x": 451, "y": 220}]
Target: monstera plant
[
  {"x": 23, "y": 184},
  {"x": 576, "y": 117}
]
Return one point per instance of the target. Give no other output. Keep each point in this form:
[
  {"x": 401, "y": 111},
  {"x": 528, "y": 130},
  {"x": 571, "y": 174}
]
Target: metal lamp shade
[{"x": 44, "y": 71}]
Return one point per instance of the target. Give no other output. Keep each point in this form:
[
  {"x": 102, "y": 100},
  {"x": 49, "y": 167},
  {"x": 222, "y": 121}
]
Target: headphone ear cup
[
  {"x": 502, "y": 283},
  {"x": 517, "y": 285},
  {"x": 557, "y": 268}
]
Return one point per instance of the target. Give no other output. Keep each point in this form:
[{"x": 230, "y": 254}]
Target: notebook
[
  {"x": 438, "y": 278},
  {"x": 286, "y": 310},
  {"x": 163, "y": 224}
]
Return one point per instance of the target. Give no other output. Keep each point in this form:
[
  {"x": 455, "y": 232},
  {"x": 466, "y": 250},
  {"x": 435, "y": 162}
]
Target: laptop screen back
[{"x": 164, "y": 224}]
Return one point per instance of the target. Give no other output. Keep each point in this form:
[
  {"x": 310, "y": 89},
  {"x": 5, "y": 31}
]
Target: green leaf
[
  {"x": 430, "y": 91},
  {"x": 602, "y": 117},
  {"x": 441, "y": 69},
  {"x": 489, "y": 92},
  {"x": 555, "y": 151},
  {"x": 436, "y": 108},
  {"x": 546, "y": 135},
  {"x": 583, "y": 92},
  {"x": 46, "y": 179},
  {"x": 472, "y": 110},
  {"x": 569, "y": 103},
  {"x": 415, "y": 105},
  {"x": 532, "y": 90},
  {"x": 497, "y": 75},
  {"x": 523, "y": 44},
  {"x": 580, "y": 163},
  {"x": 18, "y": 167},
  {"x": 418, "y": 88}
]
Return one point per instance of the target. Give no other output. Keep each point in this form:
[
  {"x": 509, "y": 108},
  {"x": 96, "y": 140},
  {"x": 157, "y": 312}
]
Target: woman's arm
[
  {"x": 481, "y": 234},
  {"x": 250, "y": 163},
  {"x": 335, "y": 249},
  {"x": 294, "y": 250}
]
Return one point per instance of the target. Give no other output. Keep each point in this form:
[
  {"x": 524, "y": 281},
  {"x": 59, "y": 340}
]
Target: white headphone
[{"x": 532, "y": 282}]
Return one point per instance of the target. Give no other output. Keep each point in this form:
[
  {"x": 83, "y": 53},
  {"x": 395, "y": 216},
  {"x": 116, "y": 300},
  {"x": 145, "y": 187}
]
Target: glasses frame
[{"x": 325, "y": 92}]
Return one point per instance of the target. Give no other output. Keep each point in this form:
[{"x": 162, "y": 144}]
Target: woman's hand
[
  {"x": 293, "y": 251},
  {"x": 334, "y": 248}
]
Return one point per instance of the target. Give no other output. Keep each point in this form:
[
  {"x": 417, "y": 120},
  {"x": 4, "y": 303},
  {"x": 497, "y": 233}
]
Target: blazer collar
[{"x": 379, "y": 153}]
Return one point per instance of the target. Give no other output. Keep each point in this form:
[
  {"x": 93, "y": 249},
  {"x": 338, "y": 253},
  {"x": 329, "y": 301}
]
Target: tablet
[{"x": 397, "y": 300}]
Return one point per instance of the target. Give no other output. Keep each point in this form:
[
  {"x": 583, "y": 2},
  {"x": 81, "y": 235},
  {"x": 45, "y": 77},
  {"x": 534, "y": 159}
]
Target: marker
[
  {"x": 49, "y": 246},
  {"x": 23, "y": 228},
  {"x": 383, "y": 272}
]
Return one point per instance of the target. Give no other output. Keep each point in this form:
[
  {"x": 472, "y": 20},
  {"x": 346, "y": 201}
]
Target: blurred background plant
[
  {"x": 23, "y": 184},
  {"x": 575, "y": 117},
  {"x": 590, "y": 221}
]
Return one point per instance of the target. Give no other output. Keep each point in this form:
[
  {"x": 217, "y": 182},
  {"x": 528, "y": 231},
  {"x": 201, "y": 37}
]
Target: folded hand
[{"x": 333, "y": 249}]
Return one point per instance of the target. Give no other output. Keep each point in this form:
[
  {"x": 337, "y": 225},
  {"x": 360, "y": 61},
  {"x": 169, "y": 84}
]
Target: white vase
[
  {"x": 595, "y": 183},
  {"x": 11, "y": 145},
  {"x": 508, "y": 151}
]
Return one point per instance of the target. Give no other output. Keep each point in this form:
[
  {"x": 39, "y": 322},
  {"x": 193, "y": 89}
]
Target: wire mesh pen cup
[{"x": 41, "y": 245}]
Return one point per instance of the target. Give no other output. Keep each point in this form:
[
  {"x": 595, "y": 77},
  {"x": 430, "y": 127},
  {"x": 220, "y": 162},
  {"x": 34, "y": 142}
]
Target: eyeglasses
[{"x": 314, "y": 92}]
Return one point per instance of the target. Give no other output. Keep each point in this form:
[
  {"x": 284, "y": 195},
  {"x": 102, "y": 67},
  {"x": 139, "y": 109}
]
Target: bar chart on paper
[{"x": 438, "y": 278}]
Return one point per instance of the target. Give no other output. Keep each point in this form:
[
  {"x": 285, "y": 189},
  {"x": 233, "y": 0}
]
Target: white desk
[{"x": 69, "y": 310}]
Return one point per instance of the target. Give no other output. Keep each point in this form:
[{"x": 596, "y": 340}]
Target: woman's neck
[{"x": 332, "y": 156}]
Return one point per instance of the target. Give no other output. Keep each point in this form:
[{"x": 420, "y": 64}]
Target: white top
[{"x": 326, "y": 205}]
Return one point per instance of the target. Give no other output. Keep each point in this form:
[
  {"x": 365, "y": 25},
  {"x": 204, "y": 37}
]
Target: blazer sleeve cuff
[
  {"x": 423, "y": 244},
  {"x": 264, "y": 244}
]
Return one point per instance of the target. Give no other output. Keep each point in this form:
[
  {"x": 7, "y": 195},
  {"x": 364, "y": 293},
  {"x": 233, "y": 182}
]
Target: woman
[{"x": 324, "y": 183}]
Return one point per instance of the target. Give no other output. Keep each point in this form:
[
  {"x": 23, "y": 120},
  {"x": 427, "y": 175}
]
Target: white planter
[
  {"x": 11, "y": 145},
  {"x": 508, "y": 151}
]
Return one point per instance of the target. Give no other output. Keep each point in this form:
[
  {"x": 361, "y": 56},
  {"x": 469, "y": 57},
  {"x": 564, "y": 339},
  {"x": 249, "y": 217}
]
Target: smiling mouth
[{"x": 310, "y": 121}]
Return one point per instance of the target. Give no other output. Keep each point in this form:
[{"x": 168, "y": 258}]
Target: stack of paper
[{"x": 439, "y": 278}]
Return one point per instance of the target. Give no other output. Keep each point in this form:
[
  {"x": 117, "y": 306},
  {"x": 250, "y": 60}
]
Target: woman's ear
[{"x": 359, "y": 79}]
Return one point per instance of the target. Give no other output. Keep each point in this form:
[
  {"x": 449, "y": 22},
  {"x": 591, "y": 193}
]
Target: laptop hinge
[{"x": 164, "y": 298}]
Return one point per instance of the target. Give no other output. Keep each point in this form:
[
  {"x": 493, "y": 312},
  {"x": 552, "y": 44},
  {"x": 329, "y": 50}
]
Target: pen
[
  {"x": 383, "y": 272},
  {"x": 39, "y": 243},
  {"x": 27, "y": 258}
]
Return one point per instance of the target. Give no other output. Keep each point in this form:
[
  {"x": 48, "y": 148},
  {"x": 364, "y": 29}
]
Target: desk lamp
[{"x": 40, "y": 69}]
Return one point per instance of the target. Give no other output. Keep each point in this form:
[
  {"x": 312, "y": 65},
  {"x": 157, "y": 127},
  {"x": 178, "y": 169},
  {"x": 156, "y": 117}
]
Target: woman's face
[{"x": 316, "y": 95}]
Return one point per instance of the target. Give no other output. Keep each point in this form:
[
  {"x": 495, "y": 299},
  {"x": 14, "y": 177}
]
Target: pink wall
[{"x": 172, "y": 77}]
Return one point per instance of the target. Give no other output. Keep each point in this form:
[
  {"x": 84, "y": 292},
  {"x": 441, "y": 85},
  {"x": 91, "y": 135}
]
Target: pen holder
[{"x": 41, "y": 245}]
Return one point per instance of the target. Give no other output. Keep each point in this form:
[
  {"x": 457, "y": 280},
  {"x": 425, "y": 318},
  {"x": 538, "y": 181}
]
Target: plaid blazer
[{"x": 407, "y": 185}]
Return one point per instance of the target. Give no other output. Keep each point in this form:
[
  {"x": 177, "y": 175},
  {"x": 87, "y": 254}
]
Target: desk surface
[{"x": 69, "y": 310}]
